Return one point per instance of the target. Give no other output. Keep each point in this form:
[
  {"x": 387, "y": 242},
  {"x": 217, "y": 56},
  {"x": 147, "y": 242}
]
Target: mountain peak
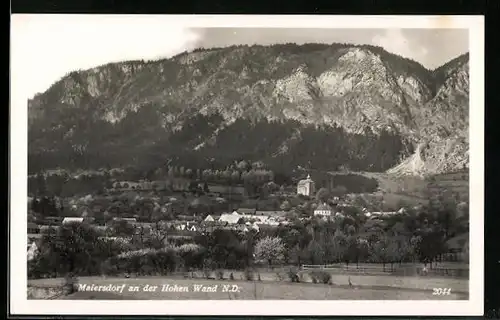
[{"x": 364, "y": 91}]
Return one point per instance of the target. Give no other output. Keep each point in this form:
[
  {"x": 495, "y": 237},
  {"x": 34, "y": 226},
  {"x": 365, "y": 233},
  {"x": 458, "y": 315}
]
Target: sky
[{"x": 50, "y": 46}]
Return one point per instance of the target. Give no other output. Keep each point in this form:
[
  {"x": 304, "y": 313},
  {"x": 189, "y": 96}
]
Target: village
[{"x": 144, "y": 208}]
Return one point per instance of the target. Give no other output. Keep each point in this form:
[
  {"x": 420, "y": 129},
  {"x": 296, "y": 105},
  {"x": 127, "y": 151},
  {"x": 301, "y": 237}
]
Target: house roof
[
  {"x": 72, "y": 219},
  {"x": 306, "y": 180},
  {"x": 256, "y": 217},
  {"x": 230, "y": 218},
  {"x": 323, "y": 207},
  {"x": 209, "y": 218}
]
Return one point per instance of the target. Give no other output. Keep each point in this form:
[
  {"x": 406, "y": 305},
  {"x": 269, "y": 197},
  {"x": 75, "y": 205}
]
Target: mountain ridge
[{"x": 362, "y": 90}]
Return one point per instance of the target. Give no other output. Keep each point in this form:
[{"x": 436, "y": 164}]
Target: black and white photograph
[{"x": 303, "y": 164}]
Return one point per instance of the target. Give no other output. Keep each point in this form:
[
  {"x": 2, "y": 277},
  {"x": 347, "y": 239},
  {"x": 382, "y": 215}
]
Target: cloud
[
  {"x": 51, "y": 46},
  {"x": 394, "y": 41}
]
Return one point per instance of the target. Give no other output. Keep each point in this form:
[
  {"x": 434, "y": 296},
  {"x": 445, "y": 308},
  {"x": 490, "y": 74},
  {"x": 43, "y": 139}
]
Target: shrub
[
  {"x": 109, "y": 267},
  {"x": 248, "y": 275},
  {"x": 144, "y": 262},
  {"x": 191, "y": 254},
  {"x": 326, "y": 278},
  {"x": 219, "y": 274},
  {"x": 207, "y": 273},
  {"x": 293, "y": 276},
  {"x": 321, "y": 276},
  {"x": 314, "y": 279},
  {"x": 279, "y": 277},
  {"x": 301, "y": 277},
  {"x": 70, "y": 283},
  {"x": 231, "y": 276}
]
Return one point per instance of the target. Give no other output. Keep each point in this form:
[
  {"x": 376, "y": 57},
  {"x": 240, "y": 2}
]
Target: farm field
[{"x": 364, "y": 288}]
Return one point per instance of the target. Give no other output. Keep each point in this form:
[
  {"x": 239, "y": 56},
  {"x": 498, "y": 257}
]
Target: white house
[
  {"x": 258, "y": 218},
  {"x": 230, "y": 218},
  {"x": 306, "y": 186},
  {"x": 209, "y": 218},
  {"x": 323, "y": 210},
  {"x": 72, "y": 220},
  {"x": 32, "y": 251}
]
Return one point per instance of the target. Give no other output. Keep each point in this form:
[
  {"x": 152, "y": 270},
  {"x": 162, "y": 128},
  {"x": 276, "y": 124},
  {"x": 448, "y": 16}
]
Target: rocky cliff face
[{"x": 362, "y": 90}]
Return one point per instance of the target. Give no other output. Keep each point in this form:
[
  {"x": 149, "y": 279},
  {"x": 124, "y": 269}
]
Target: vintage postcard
[{"x": 246, "y": 165}]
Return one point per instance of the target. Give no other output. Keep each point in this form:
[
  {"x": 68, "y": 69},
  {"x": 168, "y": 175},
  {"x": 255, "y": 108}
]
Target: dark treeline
[{"x": 148, "y": 146}]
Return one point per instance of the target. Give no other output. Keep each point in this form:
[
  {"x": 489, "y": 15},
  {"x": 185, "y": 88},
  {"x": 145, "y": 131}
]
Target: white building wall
[
  {"x": 322, "y": 213},
  {"x": 304, "y": 189}
]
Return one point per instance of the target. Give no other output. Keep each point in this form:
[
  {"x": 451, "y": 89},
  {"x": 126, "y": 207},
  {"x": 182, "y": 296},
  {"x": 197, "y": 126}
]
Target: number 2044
[{"x": 441, "y": 291}]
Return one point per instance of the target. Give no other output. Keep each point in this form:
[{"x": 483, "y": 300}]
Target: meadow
[{"x": 365, "y": 287}]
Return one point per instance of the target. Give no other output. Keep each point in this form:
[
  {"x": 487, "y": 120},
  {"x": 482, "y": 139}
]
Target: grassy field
[{"x": 364, "y": 288}]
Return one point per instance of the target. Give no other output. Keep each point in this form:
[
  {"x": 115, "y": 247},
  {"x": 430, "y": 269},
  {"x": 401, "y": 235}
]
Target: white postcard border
[{"x": 18, "y": 185}]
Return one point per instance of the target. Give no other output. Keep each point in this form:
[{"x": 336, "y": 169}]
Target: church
[{"x": 306, "y": 187}]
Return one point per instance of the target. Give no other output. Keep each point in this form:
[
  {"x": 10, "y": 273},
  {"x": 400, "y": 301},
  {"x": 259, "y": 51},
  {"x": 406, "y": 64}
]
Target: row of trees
[
  {"x": 63, "y": 185},
  {"x": 234, "y": 173},
  {"x": 325, "y": 247}
]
